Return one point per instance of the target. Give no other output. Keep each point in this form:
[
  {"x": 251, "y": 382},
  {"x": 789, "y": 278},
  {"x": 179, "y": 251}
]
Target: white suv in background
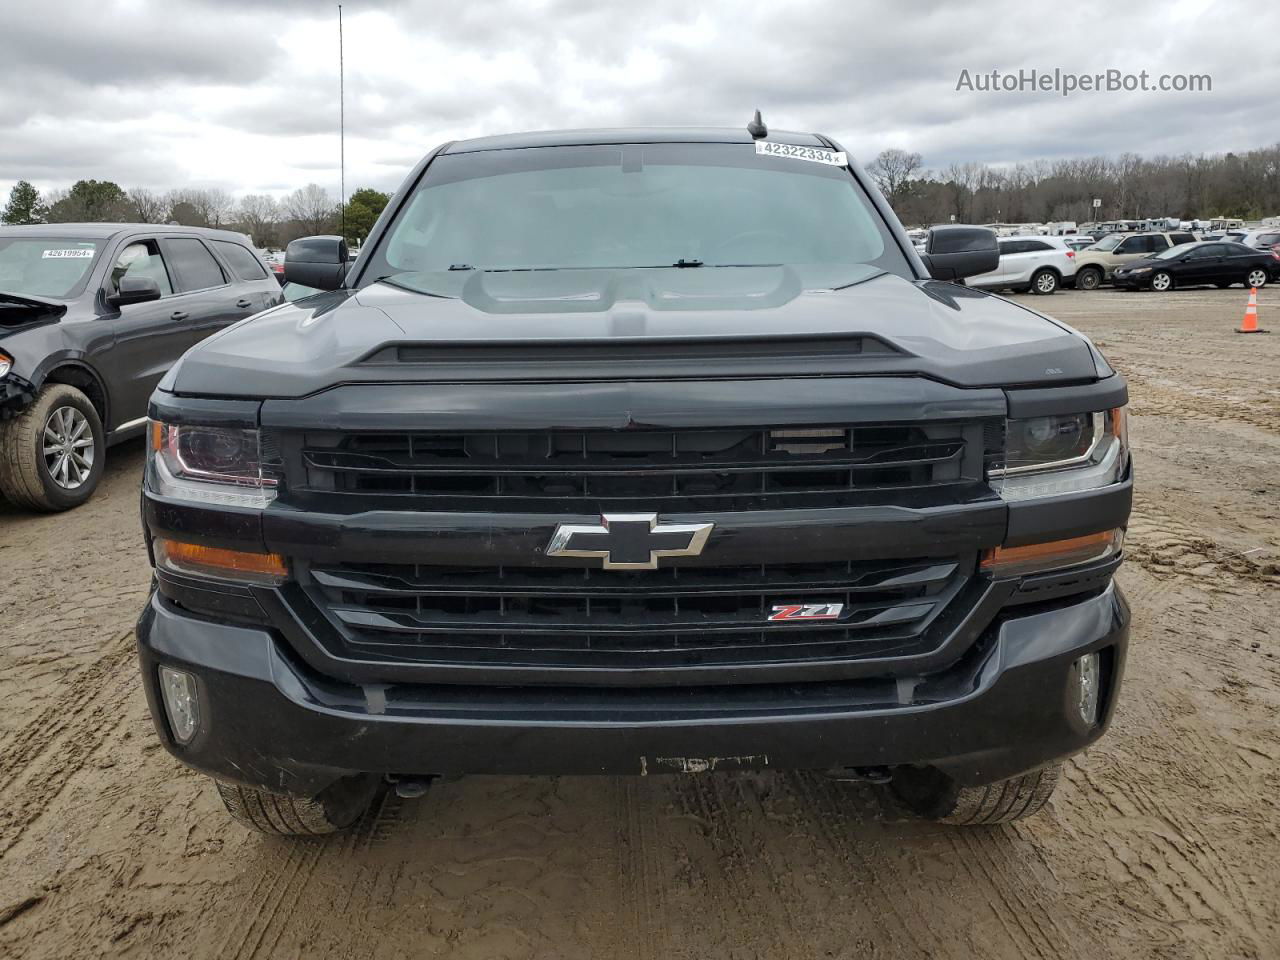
[{"x": 1035, "y": 263}]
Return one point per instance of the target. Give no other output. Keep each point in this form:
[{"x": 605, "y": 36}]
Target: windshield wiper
[
  {"x": 682, "y": 262},
  {"x": 460, "y": 266}
]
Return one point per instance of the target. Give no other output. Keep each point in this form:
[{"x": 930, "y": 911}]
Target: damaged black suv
[
  {"x": 91, "y": 317},
  {"x": 636, "y": 451}
]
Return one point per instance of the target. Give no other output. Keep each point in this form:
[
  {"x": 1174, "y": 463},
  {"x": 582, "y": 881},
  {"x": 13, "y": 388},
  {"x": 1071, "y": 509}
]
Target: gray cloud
[{"x": 241, "y": 94}]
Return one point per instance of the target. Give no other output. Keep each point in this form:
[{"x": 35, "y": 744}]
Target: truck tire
[
  {"x": 334, "y": 809},
  {"x": 1089, "y": 278},
  {"x": 936, "y": 796},
  {"x": 64, "y": 421}
]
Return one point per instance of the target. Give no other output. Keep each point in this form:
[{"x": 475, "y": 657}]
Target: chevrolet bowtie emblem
[{"x": 629, "y": 541}]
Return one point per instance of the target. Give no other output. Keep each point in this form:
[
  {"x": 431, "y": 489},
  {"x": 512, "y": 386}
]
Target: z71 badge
[{"x": 807, "y": 611}]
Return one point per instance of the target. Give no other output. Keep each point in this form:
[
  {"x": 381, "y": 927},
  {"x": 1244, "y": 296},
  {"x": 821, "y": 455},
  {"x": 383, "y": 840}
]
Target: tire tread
[
  {"x": 1007, "y": 800},
  {"x": 20, "y": 479},
  {"x": 285, "y": 815}
]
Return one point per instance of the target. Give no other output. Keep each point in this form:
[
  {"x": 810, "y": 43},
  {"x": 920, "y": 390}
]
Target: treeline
[
  {"x": 1244, "y": 185},
  {"x": 270, "y": 222}
]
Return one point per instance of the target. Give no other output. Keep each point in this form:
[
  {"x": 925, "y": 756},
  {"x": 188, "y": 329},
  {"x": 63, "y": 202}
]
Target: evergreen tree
[{"x": 25, "y": 206}]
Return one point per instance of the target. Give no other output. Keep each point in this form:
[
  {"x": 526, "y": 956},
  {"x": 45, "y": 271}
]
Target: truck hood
[{"x": 633, "y": 324}]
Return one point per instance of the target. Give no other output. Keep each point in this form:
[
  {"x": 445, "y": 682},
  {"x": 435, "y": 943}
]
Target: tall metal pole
[{"x": 342, "y": 131}]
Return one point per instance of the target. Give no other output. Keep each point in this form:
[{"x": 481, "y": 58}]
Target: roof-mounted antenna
[{"x": 756, "y": 128}]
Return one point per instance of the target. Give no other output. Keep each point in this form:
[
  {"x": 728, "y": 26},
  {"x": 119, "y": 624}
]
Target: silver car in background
[{"x": 1032, "y": 262}]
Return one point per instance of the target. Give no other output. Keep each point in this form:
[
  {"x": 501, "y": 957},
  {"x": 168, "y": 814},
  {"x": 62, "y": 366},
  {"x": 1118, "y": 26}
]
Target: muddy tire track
[{"x": 37, "y": 763}]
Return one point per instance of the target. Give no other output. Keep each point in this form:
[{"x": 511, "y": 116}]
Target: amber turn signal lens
[
  {"x": 157, "y": 434},
  {"x": 1053, "y": 554},
  {"x": 237, "y": 564}
]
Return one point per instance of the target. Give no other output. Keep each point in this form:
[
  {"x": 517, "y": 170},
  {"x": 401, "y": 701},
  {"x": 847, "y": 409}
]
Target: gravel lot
[{"x": 1163, "y": 841}]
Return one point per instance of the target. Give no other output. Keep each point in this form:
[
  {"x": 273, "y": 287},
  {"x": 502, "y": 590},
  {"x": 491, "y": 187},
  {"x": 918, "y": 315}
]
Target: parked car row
[
  {"x": 1151, "y": 261},
  {"x": 1097, "y": 262},
  {"x": 1154, "y": 260}
]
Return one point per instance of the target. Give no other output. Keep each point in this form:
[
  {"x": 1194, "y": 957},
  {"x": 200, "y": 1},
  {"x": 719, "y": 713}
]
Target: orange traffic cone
[{"x": 1250, "y": 322}]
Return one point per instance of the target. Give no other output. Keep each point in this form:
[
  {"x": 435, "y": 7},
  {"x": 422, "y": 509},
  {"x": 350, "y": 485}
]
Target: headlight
[
  {"x": 6, "y": 363},
  {"x": 1139, "y": 270},
  {"x": 223, "y": 465},
  {"x": 1066, "y": 453}
]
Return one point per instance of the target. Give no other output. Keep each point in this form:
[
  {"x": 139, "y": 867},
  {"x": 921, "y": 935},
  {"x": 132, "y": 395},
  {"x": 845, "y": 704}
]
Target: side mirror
[
  {"x": 134, "y": 290},
  {"x": 319, "y": 262},
  {"x": 956, "y": 252}
]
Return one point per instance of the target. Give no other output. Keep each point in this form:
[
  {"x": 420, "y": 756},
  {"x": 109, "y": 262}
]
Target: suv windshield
[
  {"x": 637, "y": 206},
  {"x": 1108, "y": 243},
  {"x": 54, "y": 267}
]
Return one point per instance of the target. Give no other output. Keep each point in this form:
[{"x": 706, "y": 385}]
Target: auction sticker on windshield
[
  {"x": 72, "y": 253},
  {"x": 832, "y": 157}
]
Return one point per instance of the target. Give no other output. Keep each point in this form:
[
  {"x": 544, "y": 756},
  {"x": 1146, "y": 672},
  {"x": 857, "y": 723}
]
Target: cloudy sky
[{"x": 243, "y": 95}]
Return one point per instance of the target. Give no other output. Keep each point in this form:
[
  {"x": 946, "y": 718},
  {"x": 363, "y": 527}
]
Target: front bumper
[
  {"x": 269, "y": 721},
  {"x": 16, "y": 394}
]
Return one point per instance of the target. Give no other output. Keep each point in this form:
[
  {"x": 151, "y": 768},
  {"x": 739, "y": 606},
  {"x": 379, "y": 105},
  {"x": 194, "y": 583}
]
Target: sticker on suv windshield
[
  {"x": 73, "y": 253},
  {"x": 814, "y": 155}
]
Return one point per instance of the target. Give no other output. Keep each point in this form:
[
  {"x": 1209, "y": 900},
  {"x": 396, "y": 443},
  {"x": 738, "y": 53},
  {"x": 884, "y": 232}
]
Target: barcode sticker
[{"x": 831, "y": 157}]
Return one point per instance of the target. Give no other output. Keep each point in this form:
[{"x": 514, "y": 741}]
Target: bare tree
[
  {"x": 893, "y": 169},
  {"x": 187, "y": 207},
  {"x": 218, "y": 206},
  {"x": 148, "y": 205},
  {"x": 209, "y": 207},
  {"x": 258, "y": 214},
  {"x": 311, "y": 206},
  {"x": 962, "y": 180}
]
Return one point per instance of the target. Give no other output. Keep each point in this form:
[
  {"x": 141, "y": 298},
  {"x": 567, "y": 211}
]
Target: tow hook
[{"x": 861, "y": 774}]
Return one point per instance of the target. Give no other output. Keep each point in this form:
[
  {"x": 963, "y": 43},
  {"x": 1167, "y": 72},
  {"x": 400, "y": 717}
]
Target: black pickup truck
[{"x": 636, "y": 452}]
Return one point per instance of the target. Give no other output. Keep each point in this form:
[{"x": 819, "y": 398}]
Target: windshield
[
  {"x": 638, "y": 206},
  {"x": 1174, "y": 252},
  {"x": 54, "y": 267},
  {"x": 1108, "y": 243}
]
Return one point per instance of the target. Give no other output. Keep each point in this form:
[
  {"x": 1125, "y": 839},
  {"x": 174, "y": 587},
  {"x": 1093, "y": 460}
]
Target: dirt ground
[{"x": 1163, "y": 841}]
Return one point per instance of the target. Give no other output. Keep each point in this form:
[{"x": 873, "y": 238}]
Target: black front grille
[
  {"x": 707, "y": 468},
  {"x": 672, "y": 617}
]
